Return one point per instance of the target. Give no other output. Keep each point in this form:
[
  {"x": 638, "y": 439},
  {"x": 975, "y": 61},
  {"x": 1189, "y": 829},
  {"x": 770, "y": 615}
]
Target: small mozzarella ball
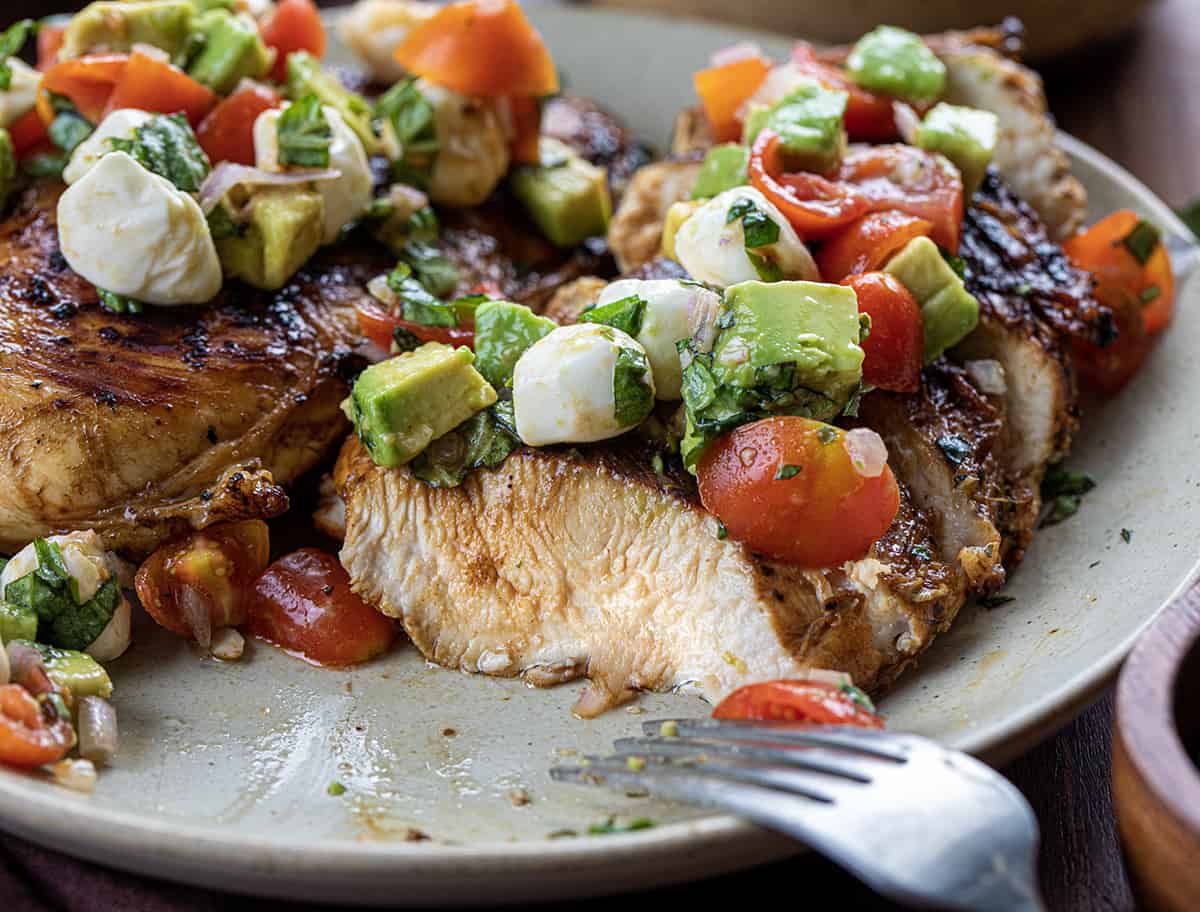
[
  {"x": 21, "y": 95},
  {"x": 374, "y": 28},
  {"x": 83, "y": 554},
  {"x": 713, "y": 249},
  {"x": 120, "y": 124},
  {"x": 563, "y": 385},
  {"x": 132, "y": 232},
  {"x": 347, "y": 196},
  {"x": 116, "y": 636},
  {"x": 473, "y": 142},
  {"x": 672, "y": 311}
]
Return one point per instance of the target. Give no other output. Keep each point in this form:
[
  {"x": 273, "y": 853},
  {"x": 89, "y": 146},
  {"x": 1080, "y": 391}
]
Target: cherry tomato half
[
  {"x": 796, "y": 701},
  {"x": 799, "y": 490},
  {"x": 867, "y": 244},
  {"x": 27, "y": 737},
  {"x": 869, "y": 117},
  {"x": 227, "y": 133},
  {"x": 895, "y": 347},
  {"x": 303, "y": 604},
  {"x": 378, "y": 325},
  {"x": 150, "y": 82},
  {"x": 88, "y": 81},
  {"x": 295, "y": 25}
]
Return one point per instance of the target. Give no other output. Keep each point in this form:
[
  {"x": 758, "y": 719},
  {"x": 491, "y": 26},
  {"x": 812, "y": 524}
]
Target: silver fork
[{"x": 918, "y": 823}]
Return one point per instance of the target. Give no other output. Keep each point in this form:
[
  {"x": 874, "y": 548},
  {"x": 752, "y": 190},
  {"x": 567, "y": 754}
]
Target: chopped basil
[
  {"x": 625, "y": 314},
  {"x": 787, "y": 470},
  {"x": 954, "y": 448},
  {"x": 995, "y": 601},
  {"x": 1150, "y": 293},
  {"x": 12, "y": 39},
  {"x": 410, "y": 115},
  {"x": 611, "y": 826},
  {"x": 632, "y": 398},
  {"x": 479, "y": 442},
  {"x": 221, "y": 224},
  {"x": 858, "y": 696},
  {"x": 1142, "y": 240},
  {"x": 52, "y": 593},
  {"x": 69, "y": 128},
  {"x": 304, "y": 134},
  {"x": 1127, "y": 535},
  {"x": 78, "y": 626},
  {"x": 120, "y": 304},
  {"x": 768, "y": 270},
  {"x": 759, "y": 228},
  {"x": 166, "y": 145},
  {"x": 827, "y": 434},
  {"x": 417, "y": 304},
  {"x": 922, "y": 552},
  {"x": 423, "y": 224},
  {"x": 852, "y": 407},
  {"x": 404, "y": 341},
  {"x": 1062, "y": 492},
  {"x": 432, "y": 268},
  {"x": 722, "y": 532},
  {"x": 335, "y": 789},
  {"x": 47, "y": 164},
  {"x": 955, "y": 262}
]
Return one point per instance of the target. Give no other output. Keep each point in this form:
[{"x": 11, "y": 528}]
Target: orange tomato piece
[
  {"x": 295, "y": 25},
  {"x": 480, "y": 47},
  {"x": 227, "y": 133},
  {"x": 378, "y": 325},
  {"x": 724, "y": 89},
  {"x": 867, "y": 244},
  {"x": 895, "y": 347},
  {"x": 796, "y": 701},
  {"x": 27, "y": 737},
  {"x": 150, "y": 82},
  {"x": 87, "y": 81},
  {"x": 792, "y": 489}
]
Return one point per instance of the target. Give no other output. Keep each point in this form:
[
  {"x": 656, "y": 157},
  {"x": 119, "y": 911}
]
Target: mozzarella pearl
[
  {"x": 120, "y": 124},
  {"x": 19, "y": 98},
  {"x": 672, "y": 309},
  {"x": 563, "y": 385},
  {"x": 132, "y": 232},
  {"x": 346, "y": 196},
  {"x": 713, "y": 249}
]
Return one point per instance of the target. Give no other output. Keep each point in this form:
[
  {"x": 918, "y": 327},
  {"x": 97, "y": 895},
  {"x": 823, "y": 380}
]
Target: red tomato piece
[
  {"x": 87, "y": 81},
  {"x": 303, "y": 604},
  {"x": 869, "y": 117},
  {"x": 910, "y": 180},
  {"x": 896, "y": 345},
  {"x": 867, "y": 244},
  {"x": 486, "y": 48},
  {"x": 227, "y": 133},
  {"x": 150, "y": 82},
  {"x": 816, "y": 207},
  {"x": 28, "y": 132},
  {"x": 378, "y": 325},
  {"x": 27, "y": 738},
  {"x": 295, "y": 25},
  {"x": 49, "y": 43},
  {"x": 724, "y": 89},
  {"x": 792, "y": 489},
  {"x": 796, "y": 701}
]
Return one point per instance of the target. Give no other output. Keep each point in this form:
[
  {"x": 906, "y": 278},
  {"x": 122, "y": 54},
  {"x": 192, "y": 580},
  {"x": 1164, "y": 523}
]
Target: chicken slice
[{"x": 635, "y": 233}]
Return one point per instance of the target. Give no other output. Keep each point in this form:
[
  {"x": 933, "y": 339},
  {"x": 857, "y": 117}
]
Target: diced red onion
[
  {"x": 196, "y": 616},
  {"x": 743, "y": 50},
  {"x": 97, "y": 730},
  {"x": 703, "y": 311},
  {"x": 907, "y": 121},
  {"x": 78, "y": 775},
  {"x": 867, "y": 452},
  {"x": 27, "y": 669},
  {"x": 988, "y": 375},
  {"x": 227, "y": 175},
  {"x": 228, "y": 645}
]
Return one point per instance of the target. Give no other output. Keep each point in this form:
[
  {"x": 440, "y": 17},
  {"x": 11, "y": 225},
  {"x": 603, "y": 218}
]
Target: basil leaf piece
[
  {"x": 632, "y": 398},
  {"x": 166, "y": 145},
  {"x": 1191, "y": 216},
  {"x": 1142, "y": 241},
  {"x": 479, "y": 442},
  {"x": 625, "y": 314},
  {"x": 954, "y": 448},
  {"x": 120, "y": 304},
  {"x": 759, "y": 228},
  {"x": 12, "y": 40},
  {"x": 68, "y": 130},
  {"x": 1063, "y": 491},
  {"x": 222, "y": 225},
  {"x": 45, "y": 165},
  {"x": 304, "y": 134},
  {"x": 432, "y": 267},
  {"x": 787, "y": 470},
  {"x": 78, "y": 626},
  {"x": 418, "y": 305},
  {"x": 410, "y": 115}
]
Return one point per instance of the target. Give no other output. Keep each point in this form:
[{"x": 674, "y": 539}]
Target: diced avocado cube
[
  {"x": 566, "y": 196},
  {"x": 897, "y": 62},
  {"x": 400, "y": 405},
  {"x": 502, "y": 333},
  {"x": 949, "y": 311},
  {"x": 78, "y": 671},
  {"x": 8, "y": 167},
  {"x": 17, "y": 623},
  {"x": 305, "y": 76},
  {"x": 810, "y": 121},
  {"x": 723, "y": 168},
  {"x": 118, "y": 26},
  {"x": 231, "y": 51},
  {"x": 811, "y": 328},
  {"x": 677, "y": 214},
  {"x": 283, "y": 231},
  {"x": 966, "y": 136}
]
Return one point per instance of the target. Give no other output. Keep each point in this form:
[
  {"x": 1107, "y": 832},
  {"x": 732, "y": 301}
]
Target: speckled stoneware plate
[{"x": 223, "y": 769}]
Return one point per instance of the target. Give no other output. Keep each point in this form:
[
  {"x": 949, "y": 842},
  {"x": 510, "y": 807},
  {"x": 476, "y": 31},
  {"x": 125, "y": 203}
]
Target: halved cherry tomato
[
  {"x": 816, "y": 207},
  {"x": 1107, "y": 369},
  {"x": 910, "y": 180},
  {"x": 227, "y": 133},
  {"x": 796, "y": 701},
  {"x": 87, "y": 81},
  {"x": 869, "y": 117},
  {"x": 152, "y": 83},
  {"x": 49, "y": 43},
  {"x": 378, "y": 325},
  {"x": 303, "y": 604},
  {"x": 204, "y": 581},
  {"x": 724, "y": 89},
  {"x": 867, "y": 244},
  {"x": 1102, "y": 250},
  {"x": 295, "y": 25},
  {"x": 799, "y": 490},
  {"x": 28, "y": 132},
  {"x": 480, "y": 47},
  {"x": 896, "y": 344},
  {"x": 28, "y": 737},
  {"x": 526, "y": 122}
]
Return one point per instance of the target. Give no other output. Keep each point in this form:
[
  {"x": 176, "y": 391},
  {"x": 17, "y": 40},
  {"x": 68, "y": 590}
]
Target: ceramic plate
[{"x": 223, "y": 772}]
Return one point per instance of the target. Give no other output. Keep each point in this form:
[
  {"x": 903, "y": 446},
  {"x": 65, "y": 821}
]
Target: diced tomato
[
  {"x": 295, "y": 25},
  {"x": 303, "y": 604},
  {"x": 910, "y": 180},
  {"x": 816, "y": 207},
  {"x": 896, "y": 344},
  {"x": 28, "y": 737},
  {"x": 87, "y": 81},
  {"x": 150, "y": 82},
  {"x": 480, "y": 47},
  {"x": 49, "y": 43},
  {"x": 797, "y": 701},
  {"x": 724, "y": 89},
  {"x": 526, "y": 122},
  {"x": 227, "y": 133},
  {"x": 28, "y": 132},
  {"x": 203, "y": 581},
  {"x": 799, "y": 490},
  {"x": 378, "y": 325},
  {"x": 869, "y": 117},
  {"x": 867, "y": 244}
]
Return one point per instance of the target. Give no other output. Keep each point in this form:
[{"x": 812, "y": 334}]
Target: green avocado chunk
[
  {"x": 400, "y": 405},
  {"x": 950, "y": 311},
  {"x": 897, "y": 62},
  {"x": 810, "y": 121},
  {"x": 231, "y": 50},
  {"x": 8, "y": 167},
  {"x": 723, "y": 168},
  {"x": 502, "y": 333},
  {"x": 306, "y": 77},
  {"x": 118, "y": 26},
  {"x": 283, "y": 231},
  {"x": 966, "y": 136},
  {"x": 17, "y": 623},
  {"x": 566, "y": 196},
  {"x": 78, "y": 671}
]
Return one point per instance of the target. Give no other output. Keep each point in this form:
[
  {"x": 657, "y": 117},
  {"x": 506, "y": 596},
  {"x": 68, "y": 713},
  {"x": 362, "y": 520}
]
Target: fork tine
[
  {"x": 801, "y": 782},
  {"x": 813, "y": 759},
  {"x": 878, "y": 744}
]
